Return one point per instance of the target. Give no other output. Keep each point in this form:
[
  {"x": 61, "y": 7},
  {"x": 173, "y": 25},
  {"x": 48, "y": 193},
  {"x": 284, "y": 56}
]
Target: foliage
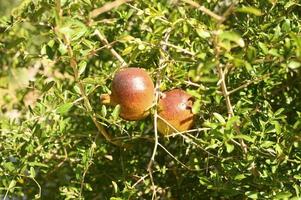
[{"x": 50, "y": 146}]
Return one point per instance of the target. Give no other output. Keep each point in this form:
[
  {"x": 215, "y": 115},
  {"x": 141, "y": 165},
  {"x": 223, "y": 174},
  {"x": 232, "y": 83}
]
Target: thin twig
[
  {"x": 248, "y": 82},
  {"x": 178, "y": 48},
  {"x": 228, "y": 11},
  {"x": 184, "y": 136},
  {"x": 170, "y": 154},
  {"x": 161, "y": 18},
  {"x": 222, "y": 77},
  {"x": 188, "y": 131},
  {"x": 39, "y": 186},
  {"x": 204, "y": 10},
  {"x": 104, "y": 40},
  {"x": 60, "y": 164},
  {"x": 108, "y": 46},
  {"x": 162, "y": 64},
  {"x": 7, "y": 191},
  {"x": 91, "y": 154},
  {"x": 189, "y": 138},
  {"x": 107, "y": 7},
  {"x": 141, "y": 179}
]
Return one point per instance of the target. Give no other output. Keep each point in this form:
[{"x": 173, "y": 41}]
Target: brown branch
[
  {"x": 248, "y": 82},
  {"x": 222, "y": 77},
  {"x": 204, "y": 10},
  {"x": 162, "y": 64},
  {"x": 183, "y": 134},
  {"x": 104, "y": 40},
  {"x": 178, "y": 48},
  {"x": 107, "y": 7}
]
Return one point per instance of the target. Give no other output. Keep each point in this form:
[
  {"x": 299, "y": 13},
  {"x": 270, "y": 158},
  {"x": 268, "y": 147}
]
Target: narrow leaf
[
  {"x": 64, "y": 108},
  {"x": 249, "y": 10}
]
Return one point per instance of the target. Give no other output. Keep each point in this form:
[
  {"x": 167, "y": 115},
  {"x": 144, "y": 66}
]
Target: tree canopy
[{"x": 239, "y": 59}]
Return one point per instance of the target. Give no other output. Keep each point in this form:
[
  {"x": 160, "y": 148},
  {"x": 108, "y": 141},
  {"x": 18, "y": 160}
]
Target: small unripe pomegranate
[
  {"x": 133, "y": 90},
  {"x": 175, "y": 107}
]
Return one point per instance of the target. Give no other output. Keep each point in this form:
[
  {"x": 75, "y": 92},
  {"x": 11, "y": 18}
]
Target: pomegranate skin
[
  {"x": 175, "y": 107},
  {"x": 133, "y": 90}
]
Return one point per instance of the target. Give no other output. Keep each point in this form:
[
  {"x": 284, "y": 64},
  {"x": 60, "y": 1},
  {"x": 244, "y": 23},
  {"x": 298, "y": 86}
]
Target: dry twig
[
  {"x": 162, "y": 64},
  {"x": 248, "y": 82},
  {"x": 204, "y": 10},
  {"x": 222, "y": 76},
  {"x": 107, "y": 7},
  {"x": 104, "y": 40}
]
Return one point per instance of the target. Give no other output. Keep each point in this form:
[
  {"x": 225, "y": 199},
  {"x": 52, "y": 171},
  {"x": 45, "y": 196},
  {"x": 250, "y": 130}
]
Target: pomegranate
[
  {"x": 133, "y": 90},
  {"x": 175, "y": 107}
]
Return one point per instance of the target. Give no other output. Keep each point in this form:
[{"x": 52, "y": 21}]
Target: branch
[
  {"x": 204, "y": 10},
  {"x": 188, "y": 131},
  {"x": 157, "y": 95},
  {"x": 178, "y": 48},
  {"x": 107, "y": 7},
  {"x": 248, "y": 82},
  {"x": 222, "y": 78},
  {"x": 183, "y": 134},
  {"x": 104, "y": 40}
]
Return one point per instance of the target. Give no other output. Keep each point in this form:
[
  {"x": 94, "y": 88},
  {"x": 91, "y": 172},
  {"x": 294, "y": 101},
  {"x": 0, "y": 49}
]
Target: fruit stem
[{"x": 106, "y": 99}]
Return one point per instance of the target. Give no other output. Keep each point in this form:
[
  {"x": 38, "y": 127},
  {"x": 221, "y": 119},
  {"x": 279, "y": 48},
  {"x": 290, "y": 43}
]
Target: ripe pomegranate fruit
[
  {"x": 175, "y": 107},
  {"x": 133, "y": 90}
]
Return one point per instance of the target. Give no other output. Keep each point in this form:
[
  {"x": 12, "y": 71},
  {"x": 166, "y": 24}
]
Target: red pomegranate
[
  {"x": 133, "y": 90},
  {"x": 175, "y": 107}
]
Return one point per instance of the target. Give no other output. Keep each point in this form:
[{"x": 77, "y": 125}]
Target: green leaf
[
  {"x": 12, "y": 184},
  {"x": 239, "y": 177},
  {"x": 263, "y": 47},
  {"x": 202, "y": 33},
  {"x": 38, "y": 164},
  {"x": 116, "y": 112},
  {"x": 278, "y": 149},
  {"x": 251, "y": 53},
  {"x": 32, "y": 172},
  {"x": 231, "y": 122},
  {"x": 48, "y": 86},
  {"x": 8, "y": 166},
  {"x": 116, "y": 198},
  {"x": 229, "y": 147},
  {"x": 73, "y": 29},
  {"x": 244, "y": 137},
  {"x": 279, "y": 111},
  {"x": 298, "y": 177},
  {"x": 128, "y": 50},
  {"x": 115, "y": 186},
  {"x": 297, "y": 40},
  {"x": 267, "y": 144},
  {"x": 232, "y": 36},
  {"x": 219, "y": 117},
  {"x": 63, "y": 49},
  {"x": 196, "y": 108},
  {"x": 103, "y": 111},
  {"x": 277, "y": 127},
  {"x": 82, "y": 66},
  {"x": 249, "y": 10},
  {"x": 252, "y": 195},
  {"x": 283, "y": 195},
  {"x": 20, "y": 77},
  {"x": 63, "y": 109},
  {"x": 294, "y": 65}
]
